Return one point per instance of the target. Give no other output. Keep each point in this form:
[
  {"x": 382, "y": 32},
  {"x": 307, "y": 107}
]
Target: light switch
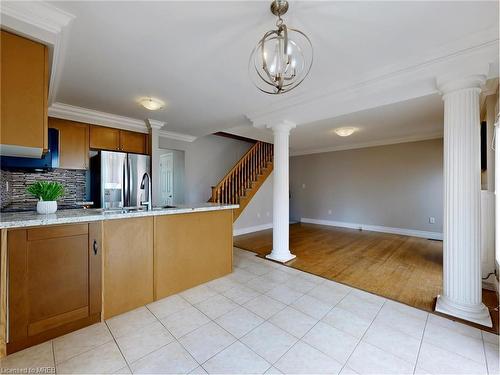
[
  {"x": 329, "y": 212},
  {"x": 303, "y": 186}
]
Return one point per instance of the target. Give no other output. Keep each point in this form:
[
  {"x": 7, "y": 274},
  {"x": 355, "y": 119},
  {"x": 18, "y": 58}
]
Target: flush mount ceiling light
[
  {"x": 345, "y": 132},
  {"x": 282, "y": 58},
  {"x": 151, "y": 104}
]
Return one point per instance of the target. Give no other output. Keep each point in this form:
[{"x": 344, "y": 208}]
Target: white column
[
  {"x": 462, "y": 293},
  {"x": 497, "y": 191},
  {"x": 281, "y": 251},
  {"x": 154, "y": 128}
]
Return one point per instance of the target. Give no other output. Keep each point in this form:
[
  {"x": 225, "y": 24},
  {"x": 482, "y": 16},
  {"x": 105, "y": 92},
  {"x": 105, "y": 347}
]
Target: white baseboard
[
  {"x": 376, "y": 228},
  {"x": 256, "y": 228}
]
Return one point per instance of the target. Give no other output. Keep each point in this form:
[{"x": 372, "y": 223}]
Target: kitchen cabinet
[
  {"x": 128, "y": 264},
  {"x": 54, "y": 281},
  {"x": 24, "y": 92},
  {"x": 133, "y": 142},
  {"x": 73, "y": 143},
  {"x": 191, "y": 249},
  {"x": 104, "y": 138}
]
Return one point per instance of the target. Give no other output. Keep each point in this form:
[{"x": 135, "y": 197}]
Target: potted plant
[{"x": 47, "y": 194}]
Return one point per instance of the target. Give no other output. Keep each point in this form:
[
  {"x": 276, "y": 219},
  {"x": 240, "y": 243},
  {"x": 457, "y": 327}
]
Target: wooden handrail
[{"x": 243, "y": 174}]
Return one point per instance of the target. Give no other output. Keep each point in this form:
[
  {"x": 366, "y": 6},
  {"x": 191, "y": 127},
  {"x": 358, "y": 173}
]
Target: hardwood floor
[{"x": 402, "y": 268}]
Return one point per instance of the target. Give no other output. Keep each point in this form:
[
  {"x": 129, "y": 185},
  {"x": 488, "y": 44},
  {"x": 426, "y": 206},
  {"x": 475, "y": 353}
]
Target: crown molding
[
  {"x": 42, "y": 22},
  {"x": 394, "y": 83},
  {"x": 155, "y": 124},
  {"x": 176, "y": 136},
  {"x": 90, "y": 116},
  {"x": 383, "y": 142}
]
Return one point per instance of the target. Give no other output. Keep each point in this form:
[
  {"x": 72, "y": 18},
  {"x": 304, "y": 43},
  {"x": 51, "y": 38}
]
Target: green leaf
[{"x": 46, "y": 191}]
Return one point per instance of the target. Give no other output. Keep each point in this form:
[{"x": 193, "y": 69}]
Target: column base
[
  {"x": 476, "y": 313},
  {"x": 281, "y": 257}
]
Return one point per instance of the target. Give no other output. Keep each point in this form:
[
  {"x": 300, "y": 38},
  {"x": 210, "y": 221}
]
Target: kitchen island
[{"x": 67, "y": 270}]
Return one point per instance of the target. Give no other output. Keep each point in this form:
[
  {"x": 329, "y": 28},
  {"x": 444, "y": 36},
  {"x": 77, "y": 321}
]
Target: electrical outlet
[
  {"x": 432, "y": 220},
  {"x": 303, "y": 186},
  {"x": 258, "y": 215},
  {"x": 329, "y": 212}
]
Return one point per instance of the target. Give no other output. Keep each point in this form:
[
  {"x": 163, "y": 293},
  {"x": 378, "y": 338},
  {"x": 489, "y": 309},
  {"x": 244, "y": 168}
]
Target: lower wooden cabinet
[
  {"x": 191, "y": 249},
  {"x": 54, "y": 281},
  {"x": 128, "y": 264}
]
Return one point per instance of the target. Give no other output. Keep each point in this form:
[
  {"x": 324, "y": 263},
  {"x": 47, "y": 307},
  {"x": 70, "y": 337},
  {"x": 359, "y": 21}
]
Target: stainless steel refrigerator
[{"x": 116, "y": 177}]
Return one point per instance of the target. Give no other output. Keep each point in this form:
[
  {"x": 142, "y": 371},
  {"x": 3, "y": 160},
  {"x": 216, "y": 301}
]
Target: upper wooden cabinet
[
  {"x": 24, "y": 90},
  {"x": 133, "y": 142},
  {"x": 73, "y": 143},
  {"x": 103, "y": 138},
  {"x": 54, "y": 281}
]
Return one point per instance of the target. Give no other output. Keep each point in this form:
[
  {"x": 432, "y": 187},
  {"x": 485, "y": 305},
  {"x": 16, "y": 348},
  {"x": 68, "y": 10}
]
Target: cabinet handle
[{"x": 95, "y": 247}]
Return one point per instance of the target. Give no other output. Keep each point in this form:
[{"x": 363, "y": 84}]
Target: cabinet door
[
  {"x": 52, "y": 271},
  {"x": 73, "y": 143},
  {"x": 133, "y": 142},
  {"x": 128, "y": 264},
  {"x": 191, "y": 249},
  {"x": 24, "y": 91},
  {"x": 103, "y": 138}
]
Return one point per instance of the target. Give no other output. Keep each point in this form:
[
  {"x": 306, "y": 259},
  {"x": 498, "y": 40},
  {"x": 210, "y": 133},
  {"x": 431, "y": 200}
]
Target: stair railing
[{"x": 243, "y": 174}]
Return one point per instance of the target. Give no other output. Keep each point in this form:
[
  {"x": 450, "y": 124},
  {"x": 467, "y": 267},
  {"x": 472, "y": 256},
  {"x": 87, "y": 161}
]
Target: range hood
[{"x": 48, "y": 161}]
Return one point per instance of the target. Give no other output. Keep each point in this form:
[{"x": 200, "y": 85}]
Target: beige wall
[
  {"x": 397, "y": 186},
  {"x": 258, "y": 215},
  {"x": 207, "y": 160}
]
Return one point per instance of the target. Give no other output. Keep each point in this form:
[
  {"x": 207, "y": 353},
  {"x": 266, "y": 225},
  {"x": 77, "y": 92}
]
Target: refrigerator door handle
[
  {"x": 124, "y": 187},
  {"x": 129, "y": 181}
]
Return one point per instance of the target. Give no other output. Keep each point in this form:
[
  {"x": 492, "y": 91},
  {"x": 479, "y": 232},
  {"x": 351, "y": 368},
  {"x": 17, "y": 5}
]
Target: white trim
[
  {"x": 256, "y": 228},
  {"x": 177, "y": 136},
  {"x": 383, "y": 142},
  {"x": 456, "y": 53},
  {"x": 376, "y": 228},
  {"x": 44, "y": 23},
  {"x": 155, "y": 124},
  {"x": 90, "y": 116}
]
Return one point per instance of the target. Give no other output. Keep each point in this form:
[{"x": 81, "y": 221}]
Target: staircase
[{"x": 245, "y": 178}]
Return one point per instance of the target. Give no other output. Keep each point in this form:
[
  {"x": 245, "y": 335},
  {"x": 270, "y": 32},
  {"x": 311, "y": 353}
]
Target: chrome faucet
[{"x": 147, "y": 203}]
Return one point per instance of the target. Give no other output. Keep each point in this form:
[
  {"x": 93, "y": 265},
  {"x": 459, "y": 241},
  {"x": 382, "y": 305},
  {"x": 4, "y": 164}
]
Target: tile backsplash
[{"x": 13, "y": 187}]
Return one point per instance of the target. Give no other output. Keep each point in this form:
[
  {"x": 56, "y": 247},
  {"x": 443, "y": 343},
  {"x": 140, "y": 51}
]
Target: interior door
[
  {"x": 167, "y": 179},
  {"x": 137, "y": 166}
]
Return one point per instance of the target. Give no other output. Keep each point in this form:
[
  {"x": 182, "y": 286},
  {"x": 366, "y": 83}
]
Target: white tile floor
[{"x": 266, "y": 318}]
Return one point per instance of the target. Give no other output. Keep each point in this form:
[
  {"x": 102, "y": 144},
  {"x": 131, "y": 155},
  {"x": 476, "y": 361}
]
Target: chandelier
[{"x": 282, "y": 58}]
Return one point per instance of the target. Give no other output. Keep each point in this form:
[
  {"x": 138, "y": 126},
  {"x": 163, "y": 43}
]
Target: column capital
[
  {"x": 282, "y": 127},
  {"x": 450, "y": 84},
  {"x": 154, "y": 124}
]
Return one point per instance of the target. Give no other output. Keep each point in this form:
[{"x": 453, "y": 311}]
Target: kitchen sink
[
  {"x": 163, "y": 207},
  {"x": 124, "y": 209}
]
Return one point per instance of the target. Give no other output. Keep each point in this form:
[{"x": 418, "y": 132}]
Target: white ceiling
[
  {"x": 416, "y": 119},
  {"x": 194, "y": 55}
]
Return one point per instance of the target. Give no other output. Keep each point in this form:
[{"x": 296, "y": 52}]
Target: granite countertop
[{"x": 30, "y": 219}]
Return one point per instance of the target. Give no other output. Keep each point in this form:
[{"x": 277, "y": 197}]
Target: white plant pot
[{"x": 46, "y": 207}]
